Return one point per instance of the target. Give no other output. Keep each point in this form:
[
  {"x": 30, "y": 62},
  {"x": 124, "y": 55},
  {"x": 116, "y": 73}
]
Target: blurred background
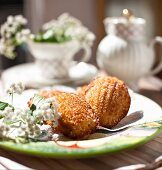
[{"x": 91, "y": 13}]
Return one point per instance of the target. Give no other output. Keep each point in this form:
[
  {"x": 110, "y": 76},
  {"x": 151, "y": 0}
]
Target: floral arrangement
[
  {"x": 13, "y": 33},
  {"x": 66, "y": 28},
  {"x": 20, "y": 125}
]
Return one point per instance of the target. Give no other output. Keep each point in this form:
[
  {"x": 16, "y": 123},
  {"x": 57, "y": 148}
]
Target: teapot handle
[
  {"x": 158, "y": 68},
  {"x": 86, "y": 54}
]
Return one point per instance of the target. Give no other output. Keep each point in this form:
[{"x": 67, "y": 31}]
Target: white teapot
[{"x": 124, "y": 52}]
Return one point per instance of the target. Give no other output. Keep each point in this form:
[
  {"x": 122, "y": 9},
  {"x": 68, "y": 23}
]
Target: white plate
[{"x": 97, "y": 143}]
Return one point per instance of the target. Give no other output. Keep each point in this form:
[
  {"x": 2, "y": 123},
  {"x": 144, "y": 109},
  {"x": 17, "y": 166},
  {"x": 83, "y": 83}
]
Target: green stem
[{"x": 12, "y": 99}]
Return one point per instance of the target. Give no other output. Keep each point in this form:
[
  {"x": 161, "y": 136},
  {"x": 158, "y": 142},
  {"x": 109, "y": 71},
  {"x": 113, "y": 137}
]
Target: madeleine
[
  {"x": 109, "y": 99},
  {"x": 77, "y": 119}
]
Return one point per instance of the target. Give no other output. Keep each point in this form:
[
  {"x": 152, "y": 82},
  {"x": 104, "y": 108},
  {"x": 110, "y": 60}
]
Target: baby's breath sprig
[
  {"x": 13, "y": 33},
  {"x": 47, "y": 111},
  {"x": 15, "y": 88},
  {"x": 23, "y": 125},
  {"x": 17, "y": 124}
]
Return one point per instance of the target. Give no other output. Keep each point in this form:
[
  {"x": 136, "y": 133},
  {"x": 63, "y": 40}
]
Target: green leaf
[
  {"x": 52, "y": 36},
  {"x": 33, "y": 107},
  {"x": 3, "y": 105}
]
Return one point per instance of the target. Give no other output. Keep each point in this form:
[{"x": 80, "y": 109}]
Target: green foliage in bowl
[
  {"x": 50, "y": 37},
  {"x": 65, "y": 28}
]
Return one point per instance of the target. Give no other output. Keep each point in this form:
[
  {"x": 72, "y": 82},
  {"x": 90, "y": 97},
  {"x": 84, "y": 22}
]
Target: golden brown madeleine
[
  {"x": 109, "y": 98},
  {"x": 77, "y": 119}
]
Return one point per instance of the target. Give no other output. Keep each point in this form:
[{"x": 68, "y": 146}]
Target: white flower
[
  {"x": 51, "y": 100},
  {"x": 48, "y": 110},
  {"x": 20, "y": 121},
  {"x": 4, "y": 28},
  {"x": 10, "y": 19},
  {"x": 9, "y": 109},
  {"x": 16, "y": 88},
  {"x": 20, "y": 88},
  {"x": 49, "y": 115},
  {"x": 4, "y": 129},
  {"x": 38, "y": 114},
  {"x": 8, "y": 35},
  {"x": 91, "y": 36},
  {"x": 49, "y": 25},
  {"x": 45, "y": 106},
  {"x": 2, "y": 48},
  {"x": 68, "y": 27},
  {"x": 9, "y": 51},
  {"x": 20, "y": 19},
  {"x": 24, "y": 123},
  {"x": 9, "y": 31},
  {"x": 12, "y": 30},
  {"x": 22, "y": 114},
  {"x": 22, "y": 36},
  {"x": 25, "y": 31},
  {"x": 66, "y": 18}
]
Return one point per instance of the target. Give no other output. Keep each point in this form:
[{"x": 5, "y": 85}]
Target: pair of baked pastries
[{"x": 105, "y": 101}]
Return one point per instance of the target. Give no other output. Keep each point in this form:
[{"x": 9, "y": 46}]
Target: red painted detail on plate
[{"x": 74, "y": 146}]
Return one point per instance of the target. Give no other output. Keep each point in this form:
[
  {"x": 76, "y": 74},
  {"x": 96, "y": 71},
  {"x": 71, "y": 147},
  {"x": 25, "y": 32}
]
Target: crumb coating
[
  {"x": 109, "y": 98},
  {"x": 77, "y": 118}
]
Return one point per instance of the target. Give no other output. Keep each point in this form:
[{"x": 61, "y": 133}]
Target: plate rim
[{"x": 88, "y": 154}]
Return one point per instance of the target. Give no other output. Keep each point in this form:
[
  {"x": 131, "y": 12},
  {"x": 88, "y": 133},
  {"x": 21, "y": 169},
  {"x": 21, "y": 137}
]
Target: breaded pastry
[
  {"x": 77, "y": 119},
  {"x": 109, "y": 99}
]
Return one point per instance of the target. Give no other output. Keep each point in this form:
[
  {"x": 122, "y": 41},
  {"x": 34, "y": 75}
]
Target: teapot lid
[
  {"x": 127, "y": 18},
  {"x": 127, "y": 26},
  {"x": 117, "y": 20}
]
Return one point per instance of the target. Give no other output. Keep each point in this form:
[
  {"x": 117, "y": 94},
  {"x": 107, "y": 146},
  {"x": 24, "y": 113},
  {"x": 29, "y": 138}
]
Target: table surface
[{"x": 141, "y": 155}]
